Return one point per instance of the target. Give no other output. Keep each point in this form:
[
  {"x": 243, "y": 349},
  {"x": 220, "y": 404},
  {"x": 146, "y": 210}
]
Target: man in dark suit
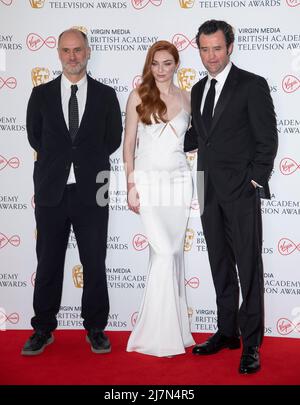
[
  {"x": 74, "y": 124},
  {"x": 234, "y": 129}
]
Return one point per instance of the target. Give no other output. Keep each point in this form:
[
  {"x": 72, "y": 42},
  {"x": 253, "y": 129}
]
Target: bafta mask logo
[
  {"x": 39, "y": 75},
  {"x": 77, "y": 274},
  {"x": 37, "y": 3},
  {"x": 186, "y": 3},
  {"x": 186, "y": 78},
  {"x": 80, "y": 28},
  {"x": 189, "y": 237}
]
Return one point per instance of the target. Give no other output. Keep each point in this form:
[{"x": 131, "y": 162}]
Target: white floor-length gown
[{"x": 164, "y": 183}]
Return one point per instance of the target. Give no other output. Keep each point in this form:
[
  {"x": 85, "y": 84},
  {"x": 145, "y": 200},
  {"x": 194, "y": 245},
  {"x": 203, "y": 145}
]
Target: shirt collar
[
  {"x": 67, "y": 84},
  {"x": 222, "y": 76}
]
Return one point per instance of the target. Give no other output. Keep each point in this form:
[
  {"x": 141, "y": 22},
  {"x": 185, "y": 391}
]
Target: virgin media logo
[
  {"x": 34, "y": 42},
  {"x": 192, "y": 282},
  {"x": 137, "y": 80},
  {"x": 32, "y": 279},
  {"x": 13, "y": 162},
  {"x": 285, "y": 326},
  {"x": 293, "y": 3},
  {"x": 139, "y": 4},
  {"x": 182, "y": 42},
  {"x": 290, "y": 83},
  {"x": 7, "y": 2},
  {"x": 5, "y": 240},
  {"x": 139, "y": 242},
  {"x": 134, "y": 317},
  {"x": 10, "y": 82},
  {"x": 286, "y": 246},
  {"x": 13, "y": 318},
  {"x": 288, "y": 166}
]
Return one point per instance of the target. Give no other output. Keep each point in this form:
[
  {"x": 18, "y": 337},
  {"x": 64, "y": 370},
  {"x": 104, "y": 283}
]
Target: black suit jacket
[
  {"x": 242, "y": 143},
  {"x": 98, "y": 136}
]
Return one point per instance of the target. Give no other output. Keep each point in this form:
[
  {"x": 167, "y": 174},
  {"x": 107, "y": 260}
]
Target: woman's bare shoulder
[{"x": 134, "y": 97}]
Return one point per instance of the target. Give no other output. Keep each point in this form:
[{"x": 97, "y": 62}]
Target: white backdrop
[{"x": 120, "y": 32}]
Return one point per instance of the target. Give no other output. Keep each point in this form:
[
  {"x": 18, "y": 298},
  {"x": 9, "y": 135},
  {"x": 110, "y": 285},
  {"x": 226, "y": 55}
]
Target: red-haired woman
[{"x": 159, "y": 187}]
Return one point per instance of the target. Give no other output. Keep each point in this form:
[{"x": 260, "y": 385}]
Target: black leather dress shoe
[
  {"x": 99, "y": 341},
  {"x": 37, "y": 343},
  {"x": 250, "y": 361},
  {"x": 216, "y": 343}
]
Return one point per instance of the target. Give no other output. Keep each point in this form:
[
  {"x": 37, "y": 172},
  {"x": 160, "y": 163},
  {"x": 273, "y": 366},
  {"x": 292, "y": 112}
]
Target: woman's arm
[{"x": 131, "y": 124}]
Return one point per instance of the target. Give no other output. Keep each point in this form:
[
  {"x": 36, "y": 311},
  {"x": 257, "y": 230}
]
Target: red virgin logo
[
  {"x": 34, "y": 42},
  {"x": 13, "y": 240},
  {"x": 290, "y": 83},
  {"x": 137, "y": 80},
  {"x": 139, "y": 242},
  {"x": 193, "y": 282},
  {"x": 10, "y": 82},
  {"x": 182, "y": 42},
  {"x": 288, "y": 166},
  {"x": 33, "y": 275},
  {"x": 134, "y": 317},
  {"x": 293, "y": 3},
  {"x": 12, "y": 318},
  {"x": 139, "y": 4},
  {"x": 13, "y": 162},
  {"x": 286, "y": 246},
  {"x": 285, "y": 326}
]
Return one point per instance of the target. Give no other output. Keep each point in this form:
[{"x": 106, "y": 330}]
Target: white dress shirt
[
  {"x": 221, "y": 78},
  {"x": 81, "y": 98}
]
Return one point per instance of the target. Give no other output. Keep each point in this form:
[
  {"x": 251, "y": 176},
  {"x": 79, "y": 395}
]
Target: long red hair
[{"x": 151, "y": 104}]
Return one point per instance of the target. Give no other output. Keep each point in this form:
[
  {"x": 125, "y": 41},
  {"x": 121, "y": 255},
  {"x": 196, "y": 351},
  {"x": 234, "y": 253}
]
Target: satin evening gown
[{"x": 164, "y": 183}]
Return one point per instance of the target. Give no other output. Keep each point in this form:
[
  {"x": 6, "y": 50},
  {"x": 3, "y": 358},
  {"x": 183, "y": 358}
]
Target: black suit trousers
[
  {"x": 53, "y": 230},
  {"x": 233, "y": 233}
]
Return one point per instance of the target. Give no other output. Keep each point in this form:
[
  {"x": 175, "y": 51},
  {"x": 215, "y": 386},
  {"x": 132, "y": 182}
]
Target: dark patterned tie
[
  {"x": 73, "y": 113},
  {"x": 208, "y": 108}
]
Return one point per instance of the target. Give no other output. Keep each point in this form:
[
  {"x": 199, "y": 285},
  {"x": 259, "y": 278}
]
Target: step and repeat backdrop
[{"x": 120, "y": 32}]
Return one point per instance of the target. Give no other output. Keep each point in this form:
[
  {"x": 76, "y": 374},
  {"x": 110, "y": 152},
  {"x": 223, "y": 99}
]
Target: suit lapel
[{"x": 225, "y": 96}]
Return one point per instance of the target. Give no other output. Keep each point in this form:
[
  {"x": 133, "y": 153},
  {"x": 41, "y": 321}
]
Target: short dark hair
[{"x": 212, "y": 26}]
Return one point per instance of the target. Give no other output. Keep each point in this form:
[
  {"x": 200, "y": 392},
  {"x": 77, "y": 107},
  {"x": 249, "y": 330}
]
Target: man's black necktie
[
  {"x": 73, "y": 113},
  {"x": 208, "y": 108}
]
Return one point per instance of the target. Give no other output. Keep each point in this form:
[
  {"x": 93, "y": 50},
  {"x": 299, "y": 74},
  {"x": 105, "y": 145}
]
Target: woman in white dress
[{"x": 159, "y": 187}]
